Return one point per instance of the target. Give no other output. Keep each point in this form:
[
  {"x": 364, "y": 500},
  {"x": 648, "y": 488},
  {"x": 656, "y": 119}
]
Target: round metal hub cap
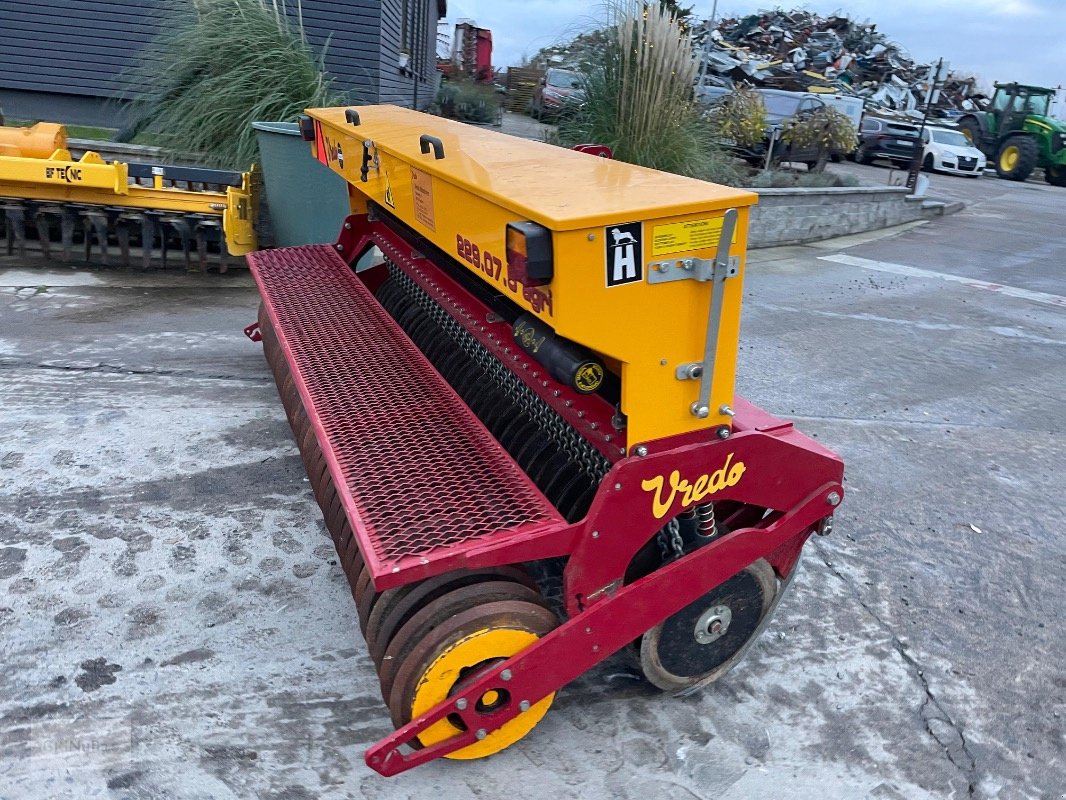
[{"x": 713, "y": 624}]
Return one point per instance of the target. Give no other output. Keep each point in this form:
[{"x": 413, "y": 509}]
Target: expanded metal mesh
[{"x": 422, "y": 472}]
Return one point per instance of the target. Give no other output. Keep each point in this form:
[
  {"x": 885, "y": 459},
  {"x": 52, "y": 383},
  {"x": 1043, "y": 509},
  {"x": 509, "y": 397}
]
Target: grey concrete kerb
[{"x": 801, "y": 215}]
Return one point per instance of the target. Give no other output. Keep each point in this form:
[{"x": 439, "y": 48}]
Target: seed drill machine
[{"x": 521, "y": 427}]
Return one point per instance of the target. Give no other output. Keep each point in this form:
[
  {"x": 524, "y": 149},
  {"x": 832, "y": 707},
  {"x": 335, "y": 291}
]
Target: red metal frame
[
  {"x": 589, "y": 637},
  {"x": 777, "y": 469}
]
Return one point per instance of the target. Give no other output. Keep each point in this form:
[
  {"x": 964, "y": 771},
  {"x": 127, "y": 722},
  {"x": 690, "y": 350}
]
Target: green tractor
[{"x": 1017, "y": 133}]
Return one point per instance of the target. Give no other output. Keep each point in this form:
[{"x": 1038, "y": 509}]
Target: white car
[{"x": 948, "y": 150}]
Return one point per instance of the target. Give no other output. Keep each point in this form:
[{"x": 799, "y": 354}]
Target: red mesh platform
[{"x": 419, "y": 475}]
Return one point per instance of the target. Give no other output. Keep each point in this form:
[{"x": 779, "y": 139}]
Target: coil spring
[{"x": 705, "y": 522}]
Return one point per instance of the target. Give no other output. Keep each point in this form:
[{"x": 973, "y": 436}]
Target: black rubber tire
[
  {"x": 861, "y": 156},
  {"x": 1028, "y": 155},
  {"x": 1056, "y": 176},
  {"x": 971, "y": 129},
  {"x": 927, "y": 163}
]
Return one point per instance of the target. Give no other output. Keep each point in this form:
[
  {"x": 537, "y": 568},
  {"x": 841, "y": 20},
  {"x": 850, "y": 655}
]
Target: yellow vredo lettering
[{"x": 729, "y": 474}]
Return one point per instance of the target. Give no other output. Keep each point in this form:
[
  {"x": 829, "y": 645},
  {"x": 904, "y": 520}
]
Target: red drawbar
[{"x": 416, "y": 470}]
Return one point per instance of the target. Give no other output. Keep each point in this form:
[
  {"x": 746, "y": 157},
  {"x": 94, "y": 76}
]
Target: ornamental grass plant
[
  {"x": 220, "y": 65},
  {"x": 639, "y": 99}
]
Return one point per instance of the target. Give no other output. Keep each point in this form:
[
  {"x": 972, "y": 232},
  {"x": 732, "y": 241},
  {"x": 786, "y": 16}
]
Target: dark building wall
[
  {"x": 410, "y": 27},
  {"x": 66, "y": 59}
]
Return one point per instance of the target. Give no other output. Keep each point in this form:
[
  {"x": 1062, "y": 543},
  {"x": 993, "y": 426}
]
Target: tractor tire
[
  {"x": 971, "y": 129},
  {"x": 1017, "y": 158},
  {"x": 1054, "y": 175}
]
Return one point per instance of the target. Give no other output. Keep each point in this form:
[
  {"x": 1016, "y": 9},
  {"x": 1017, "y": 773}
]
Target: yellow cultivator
[{"x": 99, "y": 202}]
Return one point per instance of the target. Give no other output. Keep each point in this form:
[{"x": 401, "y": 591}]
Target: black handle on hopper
[{"x": 425, "y": 141}]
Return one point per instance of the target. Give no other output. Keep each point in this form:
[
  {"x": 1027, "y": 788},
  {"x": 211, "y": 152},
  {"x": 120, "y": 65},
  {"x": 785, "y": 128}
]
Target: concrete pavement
[{"x": 175, "y": 625}]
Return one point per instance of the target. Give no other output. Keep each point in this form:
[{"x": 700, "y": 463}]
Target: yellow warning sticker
[
  {"x": 680, "y": 237},
  {"x": 389, "y": 199}
]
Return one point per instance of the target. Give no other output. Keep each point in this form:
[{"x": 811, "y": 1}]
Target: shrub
[
  {"x": 639, "y": 99},
  {"x": 468, "y": 101},
  {"x": 824, "y": 129},
  {"x": 740, "y": 116},
  {"x": 218, "y": 66}
]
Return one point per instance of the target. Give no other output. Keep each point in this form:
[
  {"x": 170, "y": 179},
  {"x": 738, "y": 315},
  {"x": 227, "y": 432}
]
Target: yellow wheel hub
[
  {"x": 1008, "y": 159},
  {"x": 452, "y": 665}
]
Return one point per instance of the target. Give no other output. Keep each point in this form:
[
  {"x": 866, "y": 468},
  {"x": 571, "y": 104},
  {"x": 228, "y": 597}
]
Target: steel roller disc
[
  {"x": 386, "y": 292},
  {"x": 452, "y": 656},
  {"x": 423, "y": 621},
  {"x": 562, "y": 482},
  {"x": 308, "y": 444},
  {"x": 449, "y": 362},
  {"x": 455, "y": 367},
  {"x": 536, "y": 448},
  {"x": 704, "y": 640},
  {"x": 366, "y": 597},
  {"x": 421, "y": 331},
  {"x": 335, "y": 516},
  {"x": 356, "y": 567},
  {"x": 288, "y": 397},
  {"x": 408, "y": 315},
  {"x": 465, "y": 379},
  {"x": 545, "y": 470},
  {"x": 407, "y": 309},
  {"x": 483, "y": 399},
  {"x": 518, "y": 433},
  {"x": 352, "y": 563},
  {"x": 570, "y": 495},
  {"x": 300, "y": 421},
  {"x": 328, "y": 498},
  {"x": 397, "y": 606},
  {"x": 341, "y": 536},
  {"x": 581, "y": 506},
  {"x": 438, "y": 346},
  {"x": 500, "y": 415}
]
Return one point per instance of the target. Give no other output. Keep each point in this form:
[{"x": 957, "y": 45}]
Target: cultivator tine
[
  {"x": 148, "y": 241},
  {"x": 201, "y": 248},
  {"x": 122, "y": 233},
  {"x": 212, "y": 228},
  {"x": 95, "y": 222},
  {"x": 181, "y": 227},
  {"x": 67, "y": 223},
  {"x": 15, "y": 215},
  {"x": 41, "y": 220}
]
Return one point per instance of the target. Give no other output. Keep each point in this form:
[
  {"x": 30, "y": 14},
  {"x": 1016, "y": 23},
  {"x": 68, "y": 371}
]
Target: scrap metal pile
[{"x": 801, "y": 51}]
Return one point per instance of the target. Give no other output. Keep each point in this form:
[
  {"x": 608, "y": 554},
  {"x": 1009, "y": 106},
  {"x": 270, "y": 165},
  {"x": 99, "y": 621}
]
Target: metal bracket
[
  {"x": 696, "y": 269},
  {"x": 717, "y": 271}
]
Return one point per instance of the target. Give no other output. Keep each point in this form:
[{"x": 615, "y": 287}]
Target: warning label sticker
[
  {"x": 390, "y": 200},
  {"x": 422, "y": 186},
  {"x": 680, "y": 237}
]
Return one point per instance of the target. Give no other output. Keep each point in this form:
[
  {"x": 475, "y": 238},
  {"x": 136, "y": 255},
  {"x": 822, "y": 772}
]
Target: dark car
[
  {"x": 782, "y": 108},
  {"x": 559, "y": 91},
  {"x": 887, "y": 140}
]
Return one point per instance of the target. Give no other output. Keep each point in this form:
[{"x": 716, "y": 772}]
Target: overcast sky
[{"x": 994, "y": 39}]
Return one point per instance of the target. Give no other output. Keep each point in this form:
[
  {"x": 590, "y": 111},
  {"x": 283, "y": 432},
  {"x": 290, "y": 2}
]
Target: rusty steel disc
[
  {"x": 365, "y": 597},
  {"x": 352, "y": 564},
  {"x": 333, "y": 514},
  {"x": 429, "y": 616},
  {"x": 308, "y": 443},
  {"x": 397, "y": 606},
  {"x": 452, "y": 655}
]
